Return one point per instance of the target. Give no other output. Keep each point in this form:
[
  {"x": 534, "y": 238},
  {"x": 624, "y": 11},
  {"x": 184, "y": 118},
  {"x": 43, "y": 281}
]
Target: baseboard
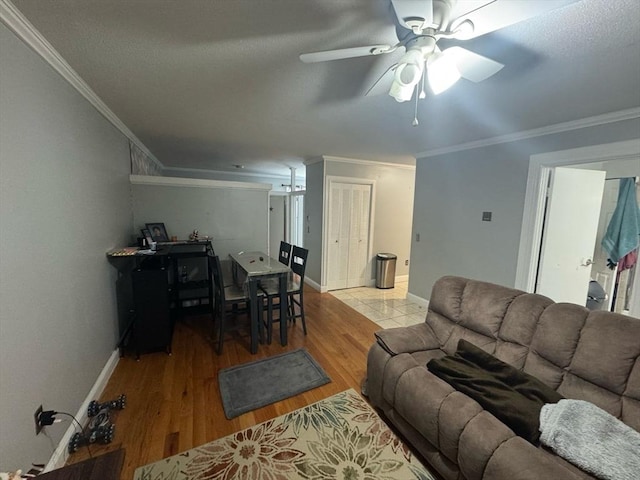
[
  {"x": 315, "y": 285},
  {"x": 61, "y": 453},
  {"x": 402, "y": 278},
  {"x": 423, "y": 302}
]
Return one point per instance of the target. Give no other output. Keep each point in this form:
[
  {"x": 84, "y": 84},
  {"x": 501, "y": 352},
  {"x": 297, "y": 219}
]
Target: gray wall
[
  {"x": 393, "y": 207},
  {"x": 313, "y": 213},
  {"x": 453, "y": 190},
  {"x": 236, "y": 218},
  {"x": 64, "y": 201}
]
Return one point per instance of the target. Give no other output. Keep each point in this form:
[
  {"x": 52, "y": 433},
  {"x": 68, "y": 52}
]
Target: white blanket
[{"x": 591, "y": 439}]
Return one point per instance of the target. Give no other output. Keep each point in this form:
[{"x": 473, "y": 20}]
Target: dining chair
[
  {"x": 295, "y": 293},
  {"x": 226, "y": 299},
  {"x": 284, "y": 254},
  {"x": 226, "y": 271}
]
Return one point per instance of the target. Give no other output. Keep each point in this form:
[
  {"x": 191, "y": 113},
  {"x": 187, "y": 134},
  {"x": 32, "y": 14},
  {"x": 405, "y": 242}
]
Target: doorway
[
  {"x": 286, "y": 210},
  {"x": 617, "y": 282},
  {"x": 540, "y": 168}
]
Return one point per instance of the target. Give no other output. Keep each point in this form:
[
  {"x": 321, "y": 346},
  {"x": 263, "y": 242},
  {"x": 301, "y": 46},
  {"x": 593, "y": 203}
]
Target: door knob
[{"x": 586, "y": 262}]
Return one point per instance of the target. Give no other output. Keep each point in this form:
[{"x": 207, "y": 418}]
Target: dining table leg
[
  {"x": 284, "y": 314},
  {"x": 253, "y": 309}
]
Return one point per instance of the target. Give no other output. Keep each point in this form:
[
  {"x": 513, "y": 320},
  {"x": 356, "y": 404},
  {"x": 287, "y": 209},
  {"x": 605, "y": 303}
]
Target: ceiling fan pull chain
[
  {"x": 424, "y": 74},
  {"x": 415, "y": 122}
]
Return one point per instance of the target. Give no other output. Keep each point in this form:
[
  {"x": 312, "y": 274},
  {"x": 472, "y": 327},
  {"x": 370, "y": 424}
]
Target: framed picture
[
  {"x": 158, "y": 232},
  {"x": 146, "y": 234}
]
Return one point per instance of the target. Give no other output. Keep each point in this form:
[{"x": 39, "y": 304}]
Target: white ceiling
[{"x": 208, "y": 84}]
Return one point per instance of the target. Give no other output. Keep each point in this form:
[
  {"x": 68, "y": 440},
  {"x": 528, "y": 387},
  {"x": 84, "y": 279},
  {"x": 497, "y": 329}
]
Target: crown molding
[
  {"x": 365, "y": 162},
  {"x": 24, "y": 30},
  {"x": 611, "y": 117},
  {"x": 195, "y": 182}
]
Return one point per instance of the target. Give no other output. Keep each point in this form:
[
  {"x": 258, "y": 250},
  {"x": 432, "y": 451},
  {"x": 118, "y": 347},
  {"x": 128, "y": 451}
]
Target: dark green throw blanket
[{"x": 512, "y": 396}]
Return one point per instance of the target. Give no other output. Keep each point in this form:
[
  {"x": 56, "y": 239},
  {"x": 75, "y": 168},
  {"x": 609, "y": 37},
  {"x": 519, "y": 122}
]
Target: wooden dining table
[{"x": 255, "y": 267}]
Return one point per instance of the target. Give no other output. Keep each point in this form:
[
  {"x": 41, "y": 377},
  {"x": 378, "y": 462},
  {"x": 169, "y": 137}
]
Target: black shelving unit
[
  {"x": 191, "y": 296},
  {"x": 152, "y": 324},
  {"x": 152, "y": 296}
]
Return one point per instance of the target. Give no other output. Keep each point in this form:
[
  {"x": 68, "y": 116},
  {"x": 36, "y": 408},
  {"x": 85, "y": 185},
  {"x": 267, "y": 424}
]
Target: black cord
[
  {"x": 81, "y": 428},
  {"x": 74, "y": 419}
]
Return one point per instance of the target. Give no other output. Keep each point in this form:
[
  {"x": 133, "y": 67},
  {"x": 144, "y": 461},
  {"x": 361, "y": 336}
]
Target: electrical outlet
[
  {"x": 406, "y": 263},
  {"x": 36, "y": 417}
]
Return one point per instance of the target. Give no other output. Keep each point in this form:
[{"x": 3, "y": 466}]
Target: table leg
[
  {"x": 284, "y": 314},
  {"x": 253, "y": 308}
]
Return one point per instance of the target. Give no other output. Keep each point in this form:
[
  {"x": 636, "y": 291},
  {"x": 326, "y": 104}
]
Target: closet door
[
  {"x": 348, "y": 242},
  {"x": 359, "y": 235},
  {"x": 339, "y": 230}
]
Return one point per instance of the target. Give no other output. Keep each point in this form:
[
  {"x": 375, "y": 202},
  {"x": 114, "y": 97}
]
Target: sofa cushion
[
  {"x": 483, "y": 307},
  {"x": 418, "y": 399},
  {"x": 558, "y": 332},
  {"x": 612, "y": 366},
  {"x": 481, "y": 437}
]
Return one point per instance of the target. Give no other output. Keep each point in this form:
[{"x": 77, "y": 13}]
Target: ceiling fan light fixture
[
  {"x": 402, "y": 93},
  {"x": 407, "y": 75},
  {"x": 442, "y": 72}
]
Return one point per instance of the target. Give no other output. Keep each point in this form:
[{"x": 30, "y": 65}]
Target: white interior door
[
  {"x": 359, "y": 235},
  {"x": 338, "y": 253},
  {"x": 571, "y": 225},
  {"x": 348, "y": 234}
]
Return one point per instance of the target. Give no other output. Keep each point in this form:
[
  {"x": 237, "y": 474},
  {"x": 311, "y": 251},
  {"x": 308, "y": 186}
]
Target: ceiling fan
[{"x": 420, "y": 24}]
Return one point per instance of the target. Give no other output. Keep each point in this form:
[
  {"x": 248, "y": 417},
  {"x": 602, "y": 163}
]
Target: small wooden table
[{"x": 103, "y": 467}]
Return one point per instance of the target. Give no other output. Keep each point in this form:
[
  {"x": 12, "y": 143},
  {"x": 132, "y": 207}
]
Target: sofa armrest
[{"x": 410, "y": 339}]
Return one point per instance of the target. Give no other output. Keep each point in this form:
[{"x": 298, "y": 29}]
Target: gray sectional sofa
[{"x": 582, "y": 354}]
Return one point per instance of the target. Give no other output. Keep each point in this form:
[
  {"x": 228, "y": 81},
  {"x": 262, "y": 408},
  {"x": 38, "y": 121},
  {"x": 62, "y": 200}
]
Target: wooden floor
[{"x": 173, "y": 402}]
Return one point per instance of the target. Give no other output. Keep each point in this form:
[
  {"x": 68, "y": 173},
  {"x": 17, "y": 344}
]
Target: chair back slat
[
  {"x": 284, "y": 254},
  {"x": 299, "y": 260}
]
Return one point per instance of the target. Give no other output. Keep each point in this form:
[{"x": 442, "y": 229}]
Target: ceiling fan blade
[
  {"x": 414, "y": 14},
  {"x": 344, "y": 53},
  {"x": 498, "y": 14},
  {"x": 472, "y": 66},
  {"x": 382, "y": 84}
]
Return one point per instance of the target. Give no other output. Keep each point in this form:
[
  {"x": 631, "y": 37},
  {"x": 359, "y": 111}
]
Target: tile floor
[{"x": 388, "y": 308}]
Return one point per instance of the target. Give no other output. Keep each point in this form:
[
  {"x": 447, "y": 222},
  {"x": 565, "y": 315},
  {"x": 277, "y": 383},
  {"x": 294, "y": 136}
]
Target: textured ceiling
[{"x": 209, "y": 84}]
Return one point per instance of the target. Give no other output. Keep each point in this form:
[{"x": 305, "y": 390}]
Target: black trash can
[
  {"x": 596, "y": 296},
  {"x": 385, "y": 270}
]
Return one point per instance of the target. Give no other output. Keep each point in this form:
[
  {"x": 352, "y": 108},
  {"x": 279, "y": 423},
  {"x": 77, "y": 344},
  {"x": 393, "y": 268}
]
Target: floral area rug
[{"x": 340, "y": 437}]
